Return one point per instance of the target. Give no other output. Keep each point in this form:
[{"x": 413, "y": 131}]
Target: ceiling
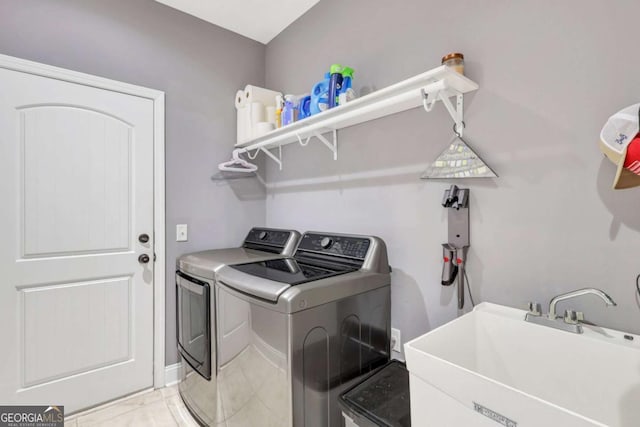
[{"x": 259, "y": 20}]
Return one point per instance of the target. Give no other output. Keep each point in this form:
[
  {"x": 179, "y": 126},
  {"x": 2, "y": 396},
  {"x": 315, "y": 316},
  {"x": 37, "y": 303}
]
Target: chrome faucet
[
  {"x": 572, "y": 319},
  {"x": 587, "y": 291}
]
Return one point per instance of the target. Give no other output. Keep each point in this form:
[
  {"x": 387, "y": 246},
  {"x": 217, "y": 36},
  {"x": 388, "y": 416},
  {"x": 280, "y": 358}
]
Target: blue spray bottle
[{"x": 335, "y": 84}]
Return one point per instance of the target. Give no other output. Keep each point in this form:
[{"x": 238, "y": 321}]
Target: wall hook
[
  {"x": 252, "y": 157},
  {"x": 304, "y": 144},
  {"x": 455, "y": 129},
  {"x": 426, "y": 103}
]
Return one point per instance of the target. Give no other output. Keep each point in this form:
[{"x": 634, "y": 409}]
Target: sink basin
[{"x": 490, "y": 367}]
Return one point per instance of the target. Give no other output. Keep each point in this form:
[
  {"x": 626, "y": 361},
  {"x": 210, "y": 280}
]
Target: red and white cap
[{"x": 620, "y": 142}]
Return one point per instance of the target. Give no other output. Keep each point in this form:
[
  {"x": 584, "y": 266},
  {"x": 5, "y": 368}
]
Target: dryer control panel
[
  {"x": 264, "y": 235},
  {"x": 341, "y": 245}
]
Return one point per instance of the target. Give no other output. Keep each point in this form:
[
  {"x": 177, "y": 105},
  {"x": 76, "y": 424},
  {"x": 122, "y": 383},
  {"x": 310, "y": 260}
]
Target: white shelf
[
  {"x": 393, "y": 99},
  {"x": 439, "y": 84}
]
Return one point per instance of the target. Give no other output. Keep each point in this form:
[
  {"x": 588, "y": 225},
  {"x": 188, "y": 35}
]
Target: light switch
[{"x": 181, "y": 233}]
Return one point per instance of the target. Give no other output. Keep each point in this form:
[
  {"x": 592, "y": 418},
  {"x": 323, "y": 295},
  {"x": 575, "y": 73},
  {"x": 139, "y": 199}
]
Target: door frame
[{"x": 157, "y": 97}]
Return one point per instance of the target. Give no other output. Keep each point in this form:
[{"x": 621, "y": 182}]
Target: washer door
[{"x": 193, "y": 299}]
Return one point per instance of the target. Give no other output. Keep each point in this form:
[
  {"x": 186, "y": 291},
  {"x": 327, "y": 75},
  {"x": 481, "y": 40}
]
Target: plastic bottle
[
  {"x": 320, "y": 96},
  {"x": 346, "y": 92},
  {"x": 279, "y": 105},
  {"x": 335, "y": 84},
  {"x": 289, "y": 110},
  {"x": 304, "y": 107}
]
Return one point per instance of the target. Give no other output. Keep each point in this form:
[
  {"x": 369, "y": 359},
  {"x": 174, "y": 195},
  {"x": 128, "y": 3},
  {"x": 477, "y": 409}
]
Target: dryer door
[{"x": 193, "y": 301}]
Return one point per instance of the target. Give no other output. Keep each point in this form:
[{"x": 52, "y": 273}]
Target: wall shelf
[{"x": 438, "y": 84}]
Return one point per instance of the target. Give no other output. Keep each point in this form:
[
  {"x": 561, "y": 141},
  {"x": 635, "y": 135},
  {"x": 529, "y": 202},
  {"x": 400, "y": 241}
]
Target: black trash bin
[{"x": 381, "y": 399}]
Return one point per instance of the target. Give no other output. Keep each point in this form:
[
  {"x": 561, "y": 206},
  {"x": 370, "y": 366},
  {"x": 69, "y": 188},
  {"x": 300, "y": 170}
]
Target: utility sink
[{"x": 490, "y": 367}]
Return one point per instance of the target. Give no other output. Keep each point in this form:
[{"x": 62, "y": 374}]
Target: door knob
[
  {"x": 143, "y": 238},
  {"x": 143, "y": 259}
]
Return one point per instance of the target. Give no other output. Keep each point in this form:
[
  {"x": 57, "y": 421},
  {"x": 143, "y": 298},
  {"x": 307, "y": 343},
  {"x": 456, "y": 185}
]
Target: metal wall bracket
[
  {"x": 277, "y": 159},
  {"x": 331, "y": 145},
  {"x": 439, "y": 91}
]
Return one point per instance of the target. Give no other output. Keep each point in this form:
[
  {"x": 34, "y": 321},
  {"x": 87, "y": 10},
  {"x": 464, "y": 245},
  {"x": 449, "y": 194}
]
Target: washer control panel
[{"x": 347, "y": 246}]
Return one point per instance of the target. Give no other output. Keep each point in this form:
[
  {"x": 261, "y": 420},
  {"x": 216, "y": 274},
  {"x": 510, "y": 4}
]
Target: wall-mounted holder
[{"x": 456, "y": 200}]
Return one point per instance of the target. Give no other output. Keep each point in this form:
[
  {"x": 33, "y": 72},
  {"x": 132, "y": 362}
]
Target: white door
[{"x": 76, "y": 190}]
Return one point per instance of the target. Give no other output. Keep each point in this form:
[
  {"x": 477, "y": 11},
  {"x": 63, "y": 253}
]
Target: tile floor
[
  {"x": 161, "y": 408},
  {"x": 252, "y": 393}
]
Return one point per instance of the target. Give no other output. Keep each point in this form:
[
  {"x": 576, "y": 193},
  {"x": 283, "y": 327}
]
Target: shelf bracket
[
  {"x": 332, "y": 146},
  {"x": 457, "y": 113},
  {"x": 277, "y": 159},
  {"x": 429, "y": 99}
]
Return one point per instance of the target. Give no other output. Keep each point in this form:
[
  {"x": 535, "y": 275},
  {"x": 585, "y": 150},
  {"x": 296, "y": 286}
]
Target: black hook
[{"x": 455, "y": 128}]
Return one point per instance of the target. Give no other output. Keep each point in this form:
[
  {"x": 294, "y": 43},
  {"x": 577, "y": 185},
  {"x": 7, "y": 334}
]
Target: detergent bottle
[
  {"x": 346, "y": 93},
  {"x": 335, "y": 84},
  {"x": 304, "y": 107},
  {"x": 320, "y": 96}
]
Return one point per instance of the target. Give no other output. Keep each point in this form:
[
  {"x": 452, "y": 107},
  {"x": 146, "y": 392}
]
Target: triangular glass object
[{"x": 458, "y": 161}]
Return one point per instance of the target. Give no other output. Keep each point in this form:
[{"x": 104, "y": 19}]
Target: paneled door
[{"x": 76, "y": 242}]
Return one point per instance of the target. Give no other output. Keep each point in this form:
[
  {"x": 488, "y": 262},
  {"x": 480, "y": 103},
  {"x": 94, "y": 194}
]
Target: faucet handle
[
  {"x": 535, "y": 309},
  {"x": 573, "y": 317}
]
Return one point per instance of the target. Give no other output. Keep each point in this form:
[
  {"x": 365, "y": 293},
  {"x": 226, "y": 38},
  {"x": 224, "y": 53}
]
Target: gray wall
[
  {"x": 550, "y": 74},
  {"x": 198, "y": 65}
]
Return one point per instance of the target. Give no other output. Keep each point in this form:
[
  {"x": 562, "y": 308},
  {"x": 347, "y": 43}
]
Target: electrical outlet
[
  {"x": 396, "y": 342},
  {"x": 182, "y": 233}
]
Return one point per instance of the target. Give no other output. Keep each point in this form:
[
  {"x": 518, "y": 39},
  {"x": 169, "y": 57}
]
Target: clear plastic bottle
[
  {"x": 289, "y": 112},
  {"x": 279, "y": 105}
]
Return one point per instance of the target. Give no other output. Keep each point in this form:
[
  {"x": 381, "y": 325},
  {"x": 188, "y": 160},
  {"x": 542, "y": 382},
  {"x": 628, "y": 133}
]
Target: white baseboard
[{"x": 171, "y": 374}]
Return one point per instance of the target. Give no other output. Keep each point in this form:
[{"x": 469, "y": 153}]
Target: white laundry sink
[{"x": 490, "y": 367}]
